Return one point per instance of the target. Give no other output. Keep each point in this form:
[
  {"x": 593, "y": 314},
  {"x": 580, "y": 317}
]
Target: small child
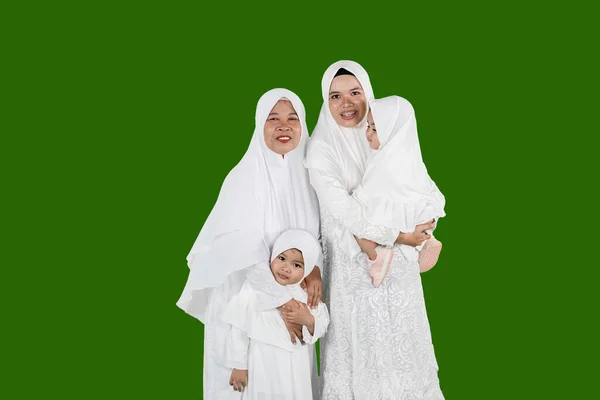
[
  {"x": 265, "y": 363},
  {"x": 396, "y": 190}
]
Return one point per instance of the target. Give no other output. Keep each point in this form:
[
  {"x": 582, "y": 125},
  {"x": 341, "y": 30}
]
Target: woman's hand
[
  {"x": 417, "y": 237},
  {"x": 313, "y": 284},
  {"x": 238, "y": 379},
  {"x": 295, "y": 330},
  {"x": 299, "y": 315}
]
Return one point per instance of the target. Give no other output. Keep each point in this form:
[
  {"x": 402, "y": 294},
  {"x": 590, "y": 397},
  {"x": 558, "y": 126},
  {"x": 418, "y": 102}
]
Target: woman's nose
[{"x": 284, "y": 127}]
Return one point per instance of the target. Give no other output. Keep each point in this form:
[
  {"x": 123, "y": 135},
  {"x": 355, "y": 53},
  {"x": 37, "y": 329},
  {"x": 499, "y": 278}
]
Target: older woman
[
  {"x": 267, "y": 193},
  {"x": 378, "y": 345}
]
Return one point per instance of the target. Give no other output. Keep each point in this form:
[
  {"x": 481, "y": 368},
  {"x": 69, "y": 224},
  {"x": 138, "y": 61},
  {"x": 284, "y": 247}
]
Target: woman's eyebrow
[
  {"x": 356, "y": 88},
  {"x": 293, "y": 113},
  {"x": 336, "y": 92},
  {"x": 273, "y": 113}
]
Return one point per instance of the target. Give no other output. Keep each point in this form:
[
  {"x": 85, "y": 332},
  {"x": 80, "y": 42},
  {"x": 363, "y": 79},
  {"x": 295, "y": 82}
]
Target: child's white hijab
[
  {"x": 268, "y": 326},
  {"x": 338, "y": 151},
  {"x": 310, "y": 248},
  {"x": 263, "y": 195},
  {"x": 396, "y": 189}
]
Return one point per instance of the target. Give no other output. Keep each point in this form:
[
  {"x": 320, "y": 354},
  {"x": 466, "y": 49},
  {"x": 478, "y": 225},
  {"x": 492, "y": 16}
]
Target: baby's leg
[
  {"x": 429, "y": 252},
  {"x": 368, "y": 247}
]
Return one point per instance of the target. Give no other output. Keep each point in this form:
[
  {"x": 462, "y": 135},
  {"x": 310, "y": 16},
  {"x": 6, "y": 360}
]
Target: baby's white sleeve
[
  {"x": 334, "y": 198},
  {"x": 236, "y": 349},
  {"x": 321, "y": 323}
]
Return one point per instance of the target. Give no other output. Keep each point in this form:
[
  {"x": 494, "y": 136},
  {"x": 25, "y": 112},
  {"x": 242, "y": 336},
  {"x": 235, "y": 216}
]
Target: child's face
[
  {"x": 372, "y": 132},
  {"x": 288, "y": 267}
]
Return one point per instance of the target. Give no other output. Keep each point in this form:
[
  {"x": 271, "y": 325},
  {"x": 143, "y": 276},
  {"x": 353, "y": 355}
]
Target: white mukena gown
[
  {"x": 378, "y": 345},
  {"x": 259, "y": 340}
]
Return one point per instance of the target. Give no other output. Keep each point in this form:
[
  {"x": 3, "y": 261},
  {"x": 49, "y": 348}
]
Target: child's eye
[
  {"x": 281, "y": 258},
  {"x": 297, "y": 265}
]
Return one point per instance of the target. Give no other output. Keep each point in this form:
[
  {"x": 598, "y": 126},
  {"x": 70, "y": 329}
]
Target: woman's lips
[
  {"x": 283, "y": 139},
  {"x": 348, "y": 115}
]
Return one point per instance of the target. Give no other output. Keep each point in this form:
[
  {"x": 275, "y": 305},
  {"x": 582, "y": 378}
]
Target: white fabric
[
  {"x": 260, "y": 342},
  {"x": 339, "y": 150},
  {"x": 301, "y": 240},
  {"x": 263, "y": 195},
  {"x": 396, "y": 189},
  {"x": 378, "y": 344},
  {"x": 337, "y": 158}
]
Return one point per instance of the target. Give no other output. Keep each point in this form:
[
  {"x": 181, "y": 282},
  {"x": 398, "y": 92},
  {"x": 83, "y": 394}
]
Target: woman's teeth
[
  {"x": 284, "y": 139},
  {"x": 349, "y": 115}
]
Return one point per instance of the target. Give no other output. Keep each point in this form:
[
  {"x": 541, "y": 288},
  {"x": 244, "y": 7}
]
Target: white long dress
[
  {"x": 261, "y": 197},
  {"x": 378, "y": 345},
  {"x": 260, "y": 343}
]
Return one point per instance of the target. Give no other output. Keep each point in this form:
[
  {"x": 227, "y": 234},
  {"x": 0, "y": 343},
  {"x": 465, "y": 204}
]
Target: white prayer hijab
[
  {"x": 267, "y": 326},
  {"x": 303, "y": 241},
  {"x": 339, "y": 151},
  {"x": 396, "y": 189},
  {"x": 262, "y": 196}
]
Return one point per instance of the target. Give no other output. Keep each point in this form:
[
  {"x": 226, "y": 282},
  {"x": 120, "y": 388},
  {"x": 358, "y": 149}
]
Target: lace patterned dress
[{"x": 378, "y": 345}]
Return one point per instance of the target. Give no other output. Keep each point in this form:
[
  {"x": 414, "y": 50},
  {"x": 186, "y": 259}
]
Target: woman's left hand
[
  {"x": 313, "y": 284},
  {"x": 300, "y": 315}
]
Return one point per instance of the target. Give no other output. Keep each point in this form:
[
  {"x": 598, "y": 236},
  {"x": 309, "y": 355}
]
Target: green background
[{"x": 120, "y": 121}]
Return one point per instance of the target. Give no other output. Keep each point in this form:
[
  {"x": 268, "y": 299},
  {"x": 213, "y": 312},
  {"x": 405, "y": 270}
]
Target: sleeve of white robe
[
  {"x": 236, "y": 351},
  {"x": 334, "y": 198},
  {"x": 321, "y": 323}
]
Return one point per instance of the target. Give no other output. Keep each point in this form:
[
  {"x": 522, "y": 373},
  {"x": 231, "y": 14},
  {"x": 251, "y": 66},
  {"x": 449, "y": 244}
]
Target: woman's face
[
  {"x": 347, "y": 101},
  {"x": 282, "y": 128},
  {"x": 288, "y": 267}
]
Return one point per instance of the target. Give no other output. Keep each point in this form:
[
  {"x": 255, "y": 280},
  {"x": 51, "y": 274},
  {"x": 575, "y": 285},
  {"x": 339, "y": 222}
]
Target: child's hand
[
  {"x": 298, "y": 315},
  {"x": 239, "y": 379}
]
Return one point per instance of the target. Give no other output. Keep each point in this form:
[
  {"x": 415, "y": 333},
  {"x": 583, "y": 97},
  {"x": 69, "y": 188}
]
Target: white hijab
[
  {"x": 338, "y": 151},
  {"x": 307, "y": 244},
  {"x": 396, "y": 189},
  {"x": 263, "y": 195},
  {"x": 268, "y": 326}
]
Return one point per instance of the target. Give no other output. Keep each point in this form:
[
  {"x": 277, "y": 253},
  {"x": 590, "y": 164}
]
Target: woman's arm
[
  {"x": 314, "y": 322},
  {"x": 334, "y": 198}
]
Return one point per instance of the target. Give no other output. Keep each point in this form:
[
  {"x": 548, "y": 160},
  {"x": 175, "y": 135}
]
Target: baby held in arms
[
  {"x": 396, "y": 190},
  {"x": 265, "y": 363}
]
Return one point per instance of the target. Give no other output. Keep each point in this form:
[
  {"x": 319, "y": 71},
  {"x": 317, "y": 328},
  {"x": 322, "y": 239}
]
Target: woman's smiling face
[
  {"x": 282, "y": 128},
  {"x": 347, "y": 101}
]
